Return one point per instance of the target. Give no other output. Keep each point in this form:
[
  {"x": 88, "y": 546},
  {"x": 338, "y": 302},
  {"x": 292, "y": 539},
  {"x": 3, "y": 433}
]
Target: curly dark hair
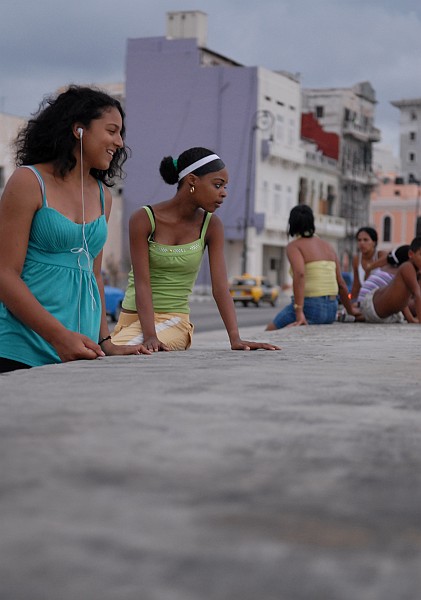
[
  {"x": 170, "y": 168},
  {"x": 48, "y": 135}
]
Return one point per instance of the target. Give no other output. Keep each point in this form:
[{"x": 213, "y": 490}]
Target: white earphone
[{"x": 80, "y": 132}]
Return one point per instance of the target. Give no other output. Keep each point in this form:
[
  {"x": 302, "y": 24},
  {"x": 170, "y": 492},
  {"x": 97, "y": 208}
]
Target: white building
[
  {"x": 349, "y": 112},
  {"x": 9, "y": 127},
  {"x": 410, "y": 139}
]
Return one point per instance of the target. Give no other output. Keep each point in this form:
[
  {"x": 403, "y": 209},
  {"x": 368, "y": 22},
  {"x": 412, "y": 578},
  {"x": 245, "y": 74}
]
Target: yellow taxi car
[{"x": 255, "y": 289}]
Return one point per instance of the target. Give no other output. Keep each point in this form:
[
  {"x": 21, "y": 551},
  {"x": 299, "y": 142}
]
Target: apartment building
[
  {"x": 181, "y": 94},
  {"x": 9, "y": 127},
  {"x": 349, "y": 112},
  {"x": 410, "y": 138}
]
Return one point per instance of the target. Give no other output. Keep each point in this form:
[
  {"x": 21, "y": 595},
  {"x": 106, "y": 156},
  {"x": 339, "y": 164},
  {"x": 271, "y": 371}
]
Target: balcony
[
  {"x": 364, "y": 134},
  {"x": 291, "y": 156},
  {"x": 330, "y": 226},
  {"x": 360, "y": 176},
  {"x": 319, "y": 161}
]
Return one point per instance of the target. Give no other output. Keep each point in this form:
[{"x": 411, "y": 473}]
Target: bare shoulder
[
  {"x": 23, "y": 190},
  {"x": 215, "y": 228}
]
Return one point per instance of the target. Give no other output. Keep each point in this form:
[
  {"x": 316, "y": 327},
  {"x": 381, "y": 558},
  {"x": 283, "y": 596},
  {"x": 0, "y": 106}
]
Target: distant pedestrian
[
  {"x": 367, "y": 259},
  {"x": 316, "y": 276},
  {"x": 382, "y": 276},
  {"x": 390, "y": 304},
  {"x": 167, "y": 242},
  {"x": 53, "y": 225}
]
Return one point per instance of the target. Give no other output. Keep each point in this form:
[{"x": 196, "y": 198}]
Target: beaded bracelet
[{"x": 104, "y": 340}]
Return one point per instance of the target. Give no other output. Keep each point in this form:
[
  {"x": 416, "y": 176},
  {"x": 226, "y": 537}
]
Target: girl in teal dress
[{"x": 53, "y": 225}]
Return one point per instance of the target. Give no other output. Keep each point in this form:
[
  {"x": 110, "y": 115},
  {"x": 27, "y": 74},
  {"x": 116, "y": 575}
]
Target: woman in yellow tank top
[{"x": 316, "y": 276}]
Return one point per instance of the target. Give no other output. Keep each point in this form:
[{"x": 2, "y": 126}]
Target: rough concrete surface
[{"x": 218, "y": 475}]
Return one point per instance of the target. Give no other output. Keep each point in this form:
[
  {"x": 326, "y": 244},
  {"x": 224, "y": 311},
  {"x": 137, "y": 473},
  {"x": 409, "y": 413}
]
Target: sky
[{"x": 331, "y": 43}]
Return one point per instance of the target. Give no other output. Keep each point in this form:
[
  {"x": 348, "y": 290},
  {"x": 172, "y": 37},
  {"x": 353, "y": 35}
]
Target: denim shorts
[{"x": 320, "y": 310}]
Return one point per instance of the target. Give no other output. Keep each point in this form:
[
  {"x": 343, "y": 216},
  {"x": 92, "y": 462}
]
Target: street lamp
[{"x": 263, "y": 120}]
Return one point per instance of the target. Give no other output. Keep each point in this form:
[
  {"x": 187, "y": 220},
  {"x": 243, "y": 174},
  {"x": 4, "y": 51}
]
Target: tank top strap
[
  {"x": 40, "y": 181},
  {"x": 149, "y": 212},
  {"x": 205, "y": 224},
  {"x": 101, "y": 196}
]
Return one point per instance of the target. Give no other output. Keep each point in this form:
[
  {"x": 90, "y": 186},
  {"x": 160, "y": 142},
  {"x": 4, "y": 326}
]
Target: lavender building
[{"x": 180, "y": 94}]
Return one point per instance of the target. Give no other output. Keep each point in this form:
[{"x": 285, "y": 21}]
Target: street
[{"x": 205, "y": 316}]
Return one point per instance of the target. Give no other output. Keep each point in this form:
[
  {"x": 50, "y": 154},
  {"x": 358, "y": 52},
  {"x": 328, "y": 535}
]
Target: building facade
[
  {"x": 9, "y": 127},
  {"x": 320, "y": 179},
  {"x": 349, "y": 112},
  {"x": 395, "y": 210},
  {"x": 410, "y": 139},
  {"x": 179, "y": 94}
]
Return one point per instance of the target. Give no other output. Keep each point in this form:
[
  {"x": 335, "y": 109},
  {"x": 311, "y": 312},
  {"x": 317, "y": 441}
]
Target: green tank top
[{"x": 173, "y": 271}]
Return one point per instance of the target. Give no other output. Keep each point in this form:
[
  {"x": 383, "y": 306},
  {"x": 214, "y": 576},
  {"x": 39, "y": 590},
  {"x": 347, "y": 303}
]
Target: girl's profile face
[
  {"x": 212, "y": 189},
  {"x": 365, "y": 244}
]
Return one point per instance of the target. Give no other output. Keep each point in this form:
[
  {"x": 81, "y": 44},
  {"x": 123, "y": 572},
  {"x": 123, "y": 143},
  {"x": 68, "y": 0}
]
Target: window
[
  {"x": 413, "y": 116},
  {"x": 319, "y": 112},
  {"x": 387, "y": 229},
  {"x": 412, "y": 136},
  {"x": 412, "y": 157},
  {"x": 279, "y": 128}
]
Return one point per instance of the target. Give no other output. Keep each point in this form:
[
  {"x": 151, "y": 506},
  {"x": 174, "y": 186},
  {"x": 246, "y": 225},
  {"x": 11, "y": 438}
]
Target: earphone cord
[{"x": 84, "y": 248}]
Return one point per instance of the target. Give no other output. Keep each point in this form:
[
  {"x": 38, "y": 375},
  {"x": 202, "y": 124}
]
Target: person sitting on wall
[
  {"x": 389, "y": 304},
  {"x": 316, "y": 276}
]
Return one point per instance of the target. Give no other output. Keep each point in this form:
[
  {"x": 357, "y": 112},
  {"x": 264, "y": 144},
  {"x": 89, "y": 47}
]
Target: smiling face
[
  {"x": 102, "y": 138},
  {"x": 211, "y": 190},
  {"x": 365, "y": 244}
]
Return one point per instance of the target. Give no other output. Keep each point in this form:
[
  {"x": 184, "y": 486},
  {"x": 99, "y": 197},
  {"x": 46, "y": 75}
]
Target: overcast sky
[{"x": 331, "y": 43}]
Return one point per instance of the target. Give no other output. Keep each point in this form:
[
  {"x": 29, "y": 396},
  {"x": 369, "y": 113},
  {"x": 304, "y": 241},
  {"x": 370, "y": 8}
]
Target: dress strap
[
  {"x": 149, "y": 212},
  {"x": 205, "y": 224},
  {"x": 40, "y": 180},
  {"x": 101, "y": 196}
]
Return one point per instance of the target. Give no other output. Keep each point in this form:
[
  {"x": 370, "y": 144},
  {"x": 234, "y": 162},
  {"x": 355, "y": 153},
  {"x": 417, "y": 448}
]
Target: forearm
[
  {"x": 145, "y": 311},
  {"x": 343, "y": 295},
  {"x": 104, "y": 331},
  {"x": 226, "y": 309},
  {"x": 418, "y": 308},
  {"x": 18, "y": 298},
  {"x": 298, "y": 289}
]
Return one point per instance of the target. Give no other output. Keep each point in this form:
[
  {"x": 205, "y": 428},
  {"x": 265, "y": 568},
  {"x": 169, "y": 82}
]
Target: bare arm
[
  {"x": 380, "y": 262},
  {"x": 410, "y": 279},
  {"x": 343, "y": 291},
  {"x": 220, "y": 288},
  {"x": 297, "y": 263},
  {"x": 139, "y": 230},
  {"x": 356, "y": 285}
]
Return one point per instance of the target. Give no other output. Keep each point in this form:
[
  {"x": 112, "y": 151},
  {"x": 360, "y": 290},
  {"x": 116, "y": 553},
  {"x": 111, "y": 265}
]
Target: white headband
[
  {"x": 196, "y": 165},
  {"x": 393, "y": 255}
]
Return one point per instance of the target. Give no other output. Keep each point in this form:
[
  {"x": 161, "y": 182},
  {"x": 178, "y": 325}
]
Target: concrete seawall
[{"x": 218, "y": 475}]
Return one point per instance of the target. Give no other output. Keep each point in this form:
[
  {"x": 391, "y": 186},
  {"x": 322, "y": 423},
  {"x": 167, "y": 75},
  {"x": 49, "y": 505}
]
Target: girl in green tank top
[{"x": 167, "y": 243}]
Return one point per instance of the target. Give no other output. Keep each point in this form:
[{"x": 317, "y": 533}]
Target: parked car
[
  {"x": 255, "y": 289},
  {"x": 113, "y": 299}
]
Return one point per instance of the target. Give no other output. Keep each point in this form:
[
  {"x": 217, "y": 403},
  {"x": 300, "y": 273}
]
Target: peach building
[{"x": 395, "y": 212}]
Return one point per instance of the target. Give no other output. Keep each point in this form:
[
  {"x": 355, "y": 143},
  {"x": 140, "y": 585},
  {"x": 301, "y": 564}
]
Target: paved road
[
  {"x": 205, "y": 316},
  {"x": 218, "y": 475}
]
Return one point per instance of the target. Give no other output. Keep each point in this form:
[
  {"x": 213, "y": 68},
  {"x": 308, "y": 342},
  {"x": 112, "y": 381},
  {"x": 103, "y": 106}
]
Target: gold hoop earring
[{"x": 192, "y": 189}]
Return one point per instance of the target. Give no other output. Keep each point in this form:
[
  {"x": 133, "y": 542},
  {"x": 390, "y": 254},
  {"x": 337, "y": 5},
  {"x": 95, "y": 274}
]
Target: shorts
[
  {"x": 369, "y": 312},
  {"x": 318, "y": 310},
  {"x": 172, "y": 329}
]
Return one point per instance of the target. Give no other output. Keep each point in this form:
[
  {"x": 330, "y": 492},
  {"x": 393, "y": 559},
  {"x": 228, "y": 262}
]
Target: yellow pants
[{"x": 172, "y": 329}]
